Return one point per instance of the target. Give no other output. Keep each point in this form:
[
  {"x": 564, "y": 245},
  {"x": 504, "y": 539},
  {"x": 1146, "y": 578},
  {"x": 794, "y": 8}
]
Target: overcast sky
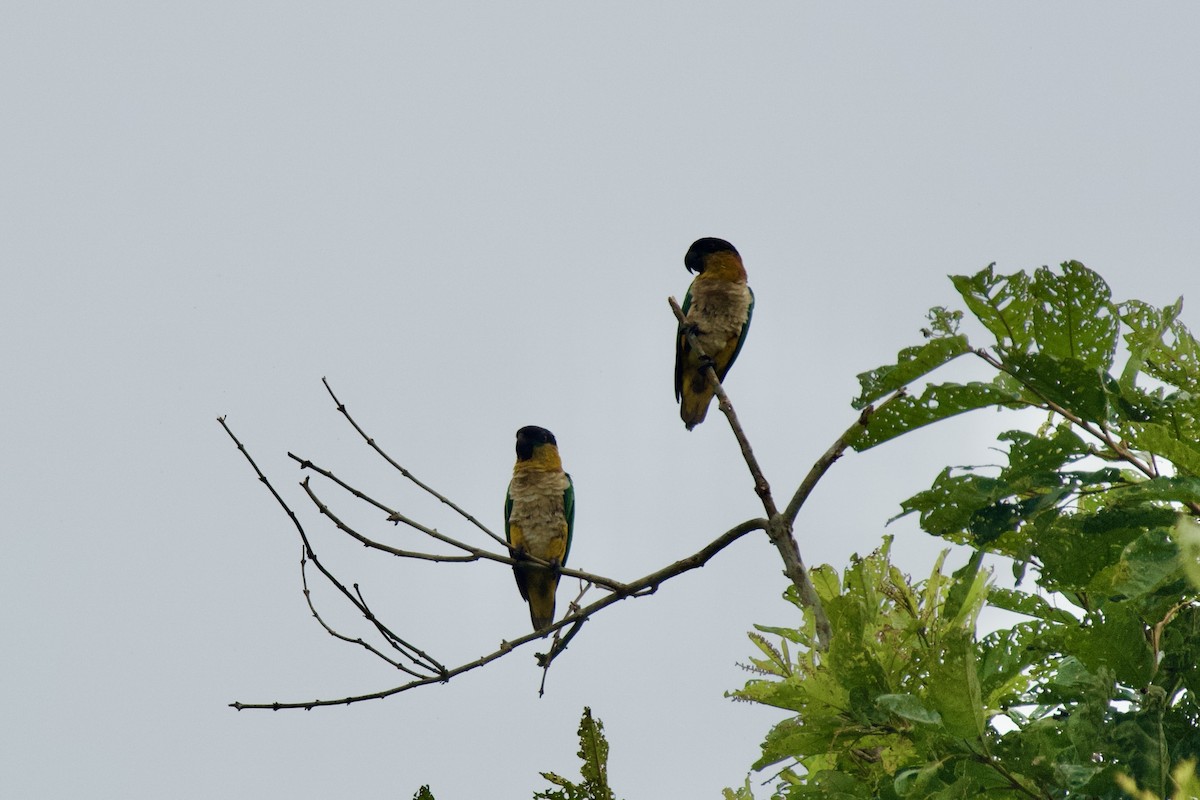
[{"x": 468, "y": 217}]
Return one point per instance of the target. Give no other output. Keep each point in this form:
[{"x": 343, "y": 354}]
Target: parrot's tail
[
  {"x": 542, "y": 584},
  {"x": 695, "y": 399}
]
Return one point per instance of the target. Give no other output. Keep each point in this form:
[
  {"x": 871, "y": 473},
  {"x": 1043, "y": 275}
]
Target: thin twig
[
  {"x": 336, "y": 634},
  {"x": 560, "y": 642},
  {"x": 639, "y": 588},
  {"x": 475, "y": 553},
  {"x": 761, "y": 487},
  {"x": 779, "y": 529},
  {"x": 341, "y": 407},
  {"x": 831, "y": 455},
  {"x": 414, "y": 654},
  {"x": 344, "y": 528}
]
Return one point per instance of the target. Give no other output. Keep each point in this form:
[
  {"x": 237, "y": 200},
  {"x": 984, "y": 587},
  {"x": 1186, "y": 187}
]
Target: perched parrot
[
  {"x": 718, "y": 306},
  {"x": 539, "y": 518}
]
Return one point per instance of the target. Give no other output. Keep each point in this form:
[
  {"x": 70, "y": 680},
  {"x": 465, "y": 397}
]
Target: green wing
[
  {"x": 507, "y": 512},
  {"x": 569, "y": 513},
  {"x": 741, "y": 340},
  {"x": 681, "y": 347}
]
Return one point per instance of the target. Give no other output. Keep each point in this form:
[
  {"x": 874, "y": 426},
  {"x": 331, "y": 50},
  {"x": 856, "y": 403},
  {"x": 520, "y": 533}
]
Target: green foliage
[
  {"x": 423, "y": 793},
  {"x": 593, "y": 750},
  {"x": 1187, "y": 784},
  {"x": 1094, "y": 688}
]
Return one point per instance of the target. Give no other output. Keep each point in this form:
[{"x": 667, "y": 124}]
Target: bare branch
[
  {"x": 831, "y": 455},
  {"x": 341, "y": 407},
  {"x": 760, "y": 482},
  {"x": 475, "y": 553},
  {"x": 415, "y": 654},
  {"x": 335, "y": 634},
  {"x": 324, "y": 509},
  {"x": 560, "y": 642},
  {"x": 780, "y": 528},
  {"x": 639, "y": 588}
]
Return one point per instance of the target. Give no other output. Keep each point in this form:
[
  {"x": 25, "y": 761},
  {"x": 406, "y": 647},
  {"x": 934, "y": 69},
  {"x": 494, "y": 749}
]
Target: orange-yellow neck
[
  {"x": 724, "y": 266},
  {"x": 545, "y": 458}
]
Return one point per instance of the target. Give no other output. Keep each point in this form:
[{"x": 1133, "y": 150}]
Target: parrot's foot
[{"x": 706, "y": 362}]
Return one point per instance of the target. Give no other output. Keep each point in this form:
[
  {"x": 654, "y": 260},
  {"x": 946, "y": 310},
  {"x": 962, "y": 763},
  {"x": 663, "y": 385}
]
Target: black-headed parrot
[
  {"x": 539, "y": 519},
  {"x": 718, "y": 307}
]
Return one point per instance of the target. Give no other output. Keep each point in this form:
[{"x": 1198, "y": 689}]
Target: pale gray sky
[{"x": 469, "y": 217}]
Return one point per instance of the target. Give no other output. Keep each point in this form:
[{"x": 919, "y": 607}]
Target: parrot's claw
[{"x": 706, "y": 362}]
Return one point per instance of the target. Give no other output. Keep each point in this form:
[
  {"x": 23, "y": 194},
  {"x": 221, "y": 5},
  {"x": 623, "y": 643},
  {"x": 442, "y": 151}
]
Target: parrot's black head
[
  {"x": 530, "y": 437},
  {"x": 701, "y": 249}
]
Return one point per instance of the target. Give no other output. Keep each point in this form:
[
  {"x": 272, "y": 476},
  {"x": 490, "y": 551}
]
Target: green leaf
[
  {"x": 952, "y": 686},
  {"x": 911, "y": 363},
  {"x": 1067, "y": 382},
  {"x": 775, "y": 664},
  {"x": 1002, "y": 303},
  {"x": 1076, "y": 319},
  {"x": 1184, "y": 489},
  {"x": 968, "y": 593},
  {"x": 1007, "y": 660},
  {"x": 593, "y": 750},
  {"x": 1030, "y": 454},
  {"x": 1073, "y": 549},
  {"x": 919, "y": 781},
  {"x": 1141, "y": 736},
  {"x": 1147, "y": 326},
  {"x": 1146, "y": 564},
  {"x": 947, "y": 507},
  {"x": 908, "y": 707},
  {"x": 1030, "y": 605},
  {"x": 1115, "y": 640},
  {"x": 1161, "y": 345},
  {"x": 942, "y": 322},
  {"x": 741, "y": 793},
  {"x": 938, "y": 402},
  {"x": 1187, "y": 537},
  {"x": 1162, "y": 441}
]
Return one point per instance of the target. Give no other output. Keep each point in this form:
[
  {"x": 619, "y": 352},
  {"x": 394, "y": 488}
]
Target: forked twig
[
  {"x": 560, "y": 642},
  {"x": 370, "y": 440},
  {"x": 411, "y": 652},
  {"x": 338, "y": 635},
  {"x": 640, "y": 588},
  {"x": 474, "y": 553}
]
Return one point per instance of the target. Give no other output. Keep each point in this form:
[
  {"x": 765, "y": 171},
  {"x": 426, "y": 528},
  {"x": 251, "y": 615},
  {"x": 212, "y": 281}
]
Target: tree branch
[
  {"x": 831, "y": 455},
  {"x": 761, "y": 487},
  {"x": 639, "y": 588},
  {"x": 341, "y": 407},
  {"x": 560, "y": 642},
  {"x": 412, "y": 653},
  {"x": 1150, "y": 470},
  {"x": 779, "y": 528},
  {"x": 343, "y": 637},
  {"x": 474, "y": 553}
]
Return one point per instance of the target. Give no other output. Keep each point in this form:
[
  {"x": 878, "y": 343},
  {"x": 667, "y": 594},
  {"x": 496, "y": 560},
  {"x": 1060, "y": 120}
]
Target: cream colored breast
[
  {"x": 720, "y": 309},
  {"x": 537, "y": 498}
]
